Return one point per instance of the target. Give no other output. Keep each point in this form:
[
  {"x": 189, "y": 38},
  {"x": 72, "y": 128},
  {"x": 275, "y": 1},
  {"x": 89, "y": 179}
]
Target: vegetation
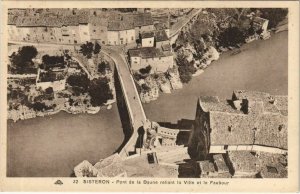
[
  {"x": 145, "y": 70},
  {"x": 79, "y": 83},
  {"x": 89, "y": 48},
  {"x": 97, "y": 48},
  {"x": 274, "y": 15},
  {"x": 99, "y": 91},
  {"x": 185, "y": 68},
  {"x": 231, "y": 37},
  {"x": 21, "y": 61},
  {"x": 52, "y": 61},
  {"x": 103, "y": 66}
]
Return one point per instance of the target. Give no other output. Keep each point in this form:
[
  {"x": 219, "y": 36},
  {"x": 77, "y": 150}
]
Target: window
[
  {"x": 85, "y": 33},
  {"x": 103, "y": 42},
  {"x": 75, "y": 41},
  {"x": 132, "y": 38},
  {"x": 150, "y": 41},
  {"x": 225, "y": 147},
  {"x": 94, "y": 30}
]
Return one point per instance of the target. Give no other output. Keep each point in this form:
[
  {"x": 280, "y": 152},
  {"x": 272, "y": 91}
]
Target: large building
[
  {"x": 252, "y": 121},
  {"x": 73, "y": 26},
  {"x": 158, "y": 59}
]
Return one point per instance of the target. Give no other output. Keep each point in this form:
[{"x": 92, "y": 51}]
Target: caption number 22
[{"x": 75, "y": 181}]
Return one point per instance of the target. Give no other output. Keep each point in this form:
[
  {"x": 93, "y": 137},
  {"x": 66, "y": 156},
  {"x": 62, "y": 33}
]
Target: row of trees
[
  {"x": 22, "y": 60},
  {"x": 98, "y": 89},
  {"x": 89, "y": 48}
]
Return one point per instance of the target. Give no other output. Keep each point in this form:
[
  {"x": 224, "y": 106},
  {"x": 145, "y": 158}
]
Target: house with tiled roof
[
  {"x": 120, "y": 32},
  {"x": 260, "y": 24},
  {"x": 142, "y": 23},
  {"x": 159, "y": 60},
  {"x": 147, "y": 39},
  {"x": 254, "y": 121}
]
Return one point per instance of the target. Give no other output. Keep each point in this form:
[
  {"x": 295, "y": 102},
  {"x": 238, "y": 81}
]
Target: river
[
  {"x": 52, "y": 146},
  {"x": 262, "y": 65}
]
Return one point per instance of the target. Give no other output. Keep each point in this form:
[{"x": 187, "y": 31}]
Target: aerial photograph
[{"x": 147, "y": 92}]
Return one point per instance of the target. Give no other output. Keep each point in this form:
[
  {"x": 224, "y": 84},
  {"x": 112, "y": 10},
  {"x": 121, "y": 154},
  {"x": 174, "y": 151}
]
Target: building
[
  {"x": 51, "y": 79},
  {"x": 253, "y": 121},
  {"x": 98, "y": 29},
  {"x": 159, "y": 60},
  {"x": 142, "y": 23},
  {"x": 260, "y": 24},
  {"x": 161, "y": 39},
  {"x": 120, "y": 32},
  {"x": 147, "y": 39}
]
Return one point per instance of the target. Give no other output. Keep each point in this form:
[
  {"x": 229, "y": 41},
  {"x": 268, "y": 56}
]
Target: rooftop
[
  {"x": 161, "y": 35},
  {"x": 264, "y": 125},
  {"x": 147, "y": 35},
  {"x": 148, "y": 52},
  {"x": 243, "y": 161}
]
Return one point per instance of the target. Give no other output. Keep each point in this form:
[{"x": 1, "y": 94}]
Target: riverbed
[
  {"x": 262, "y": 66},
  {"x": 52, "y": 146}
]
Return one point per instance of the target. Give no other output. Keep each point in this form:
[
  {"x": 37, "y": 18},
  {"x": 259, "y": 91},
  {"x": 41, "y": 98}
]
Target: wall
[
  {"x": 84, "y": 33},
  {"x": 141, "y": 29},
  {"x": 126, "y": 36},
  {"x": 198, "y": 146},
  {"x": 56, "y": 85},
  {"x": 148, "y": 42},
  {"x": 161, "y": 64},
  {"x": 99, "y": 33},
  {"x": 113, "y": 37}
]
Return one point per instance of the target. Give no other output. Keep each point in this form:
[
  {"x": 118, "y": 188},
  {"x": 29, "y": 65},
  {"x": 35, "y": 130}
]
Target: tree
[
  {"x": 79, "y": 82},
  {"x": 103, "y": 66},
  {"x": 274, "y": 15},
  {"x": 99, "y": 91},
  {"x": 185, "y": 69},
  {"x": 23, "y": 58},
  {"x": 52, "y": 61},
  {"x": 97, "y": 48},
  {"x": 87, "y": 49},
  {"x": 145, "y": 70},
  {"x": 231, "y": 37}
]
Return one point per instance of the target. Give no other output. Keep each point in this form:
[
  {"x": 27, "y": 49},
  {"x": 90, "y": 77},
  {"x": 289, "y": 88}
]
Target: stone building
[
  {"x": 254, "y": 121},
  {"x": 260, "y": 24},
  {"x": 147, "y": 39},
  {"x": 120, "y": 32},
  {"x": 159, "y": 60}
]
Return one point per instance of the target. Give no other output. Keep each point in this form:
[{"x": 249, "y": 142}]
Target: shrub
[{"x": 100, "y": 92}]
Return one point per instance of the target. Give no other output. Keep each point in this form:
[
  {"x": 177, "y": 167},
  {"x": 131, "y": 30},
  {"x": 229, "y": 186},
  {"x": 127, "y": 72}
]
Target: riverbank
[{"x": 262, "y": 66}]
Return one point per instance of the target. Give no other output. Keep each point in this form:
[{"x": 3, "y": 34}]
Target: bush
[
  {"x": 100, "y": 92},
  {"x": 53, "y": 61},
  {"x": 185, "y": 69},
  {"x": 23, "y": 58},
  {"x": 97, "y": 48},
  {"x": 145, "y": 70},
  {"x": 87, "y": 49},
  {"x": 103, "y": 66},
  {"x": 231, "y": 37},
  {"x": 80, "y": 82}
]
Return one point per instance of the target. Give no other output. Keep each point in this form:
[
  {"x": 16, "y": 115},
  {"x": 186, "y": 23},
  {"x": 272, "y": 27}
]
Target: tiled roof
[
  {"x": 148, "y": 52},
  {"x": 98, "y": 21},
  {"x": 119, "y": 25},
  {"x": 243, "y": 161},
  {"x": 206, "y": 167},
  {"x": 147, "y": 34},
  {"x": 161, "y": 35},
  {"x": 213, "y": 103},
  {"x": 239, "y": 129},
  {"x": 220, "y": 163},
  {"x": 272, "y": 165},
  {"x": 12, "y": 19},
  {"x": 259, "y": 20},
  {"x": 166, "y": 47},
  {"x": 142, "y": 19}
]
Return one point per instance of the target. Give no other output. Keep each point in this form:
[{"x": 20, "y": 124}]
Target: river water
[
  {"x": 262, "y": 65},
  {"x": 52, "y": 146}
]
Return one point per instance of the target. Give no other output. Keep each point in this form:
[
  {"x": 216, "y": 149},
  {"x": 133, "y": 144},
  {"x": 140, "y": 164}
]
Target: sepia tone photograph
[{"x": 145, "y": 92}]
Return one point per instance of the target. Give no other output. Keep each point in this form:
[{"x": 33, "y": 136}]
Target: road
[
  {"x": 183, "y": 21},
  {"x": 131, "y": 95}
]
